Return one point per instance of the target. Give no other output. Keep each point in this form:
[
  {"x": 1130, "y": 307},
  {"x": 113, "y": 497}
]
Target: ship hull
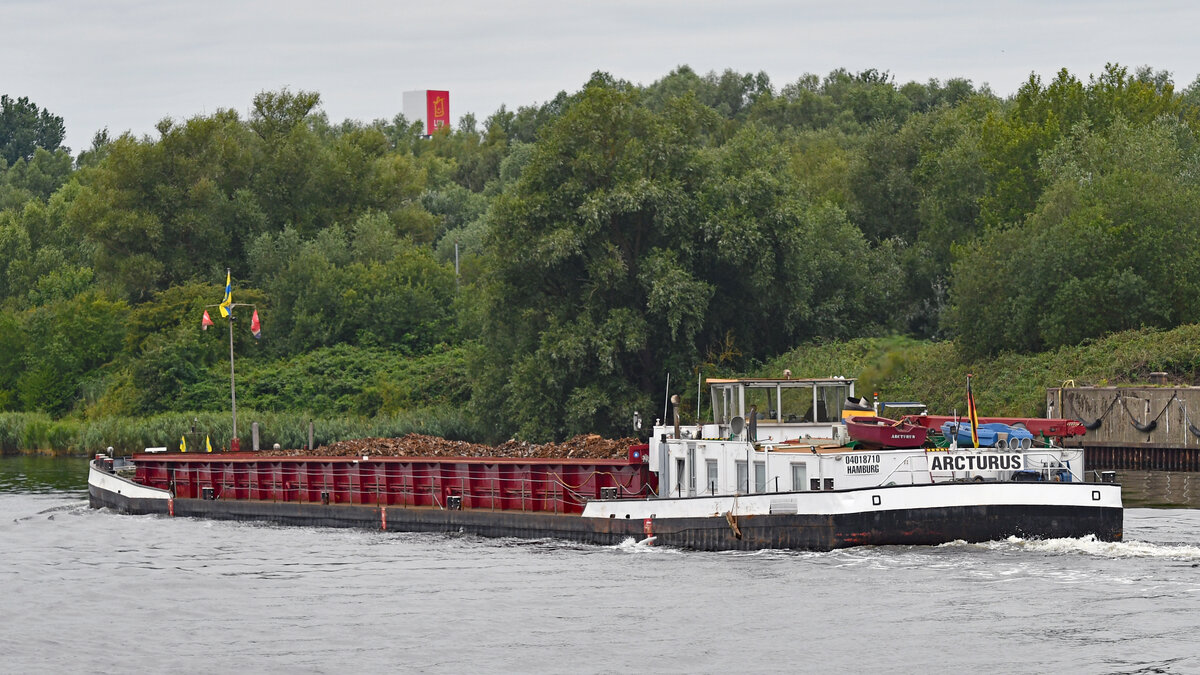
[{"x": 913, "y": 522}]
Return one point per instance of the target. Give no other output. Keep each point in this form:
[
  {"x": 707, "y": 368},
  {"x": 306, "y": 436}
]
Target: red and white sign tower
[{"x": 428, "y": 106}]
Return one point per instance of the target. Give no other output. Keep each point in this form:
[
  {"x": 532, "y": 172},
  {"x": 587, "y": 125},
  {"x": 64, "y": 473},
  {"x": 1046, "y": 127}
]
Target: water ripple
[{"x": 226, "y": 596}]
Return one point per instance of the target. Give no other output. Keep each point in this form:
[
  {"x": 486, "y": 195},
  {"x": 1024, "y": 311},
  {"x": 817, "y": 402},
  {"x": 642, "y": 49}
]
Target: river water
[{"x": 86, "y": 590}]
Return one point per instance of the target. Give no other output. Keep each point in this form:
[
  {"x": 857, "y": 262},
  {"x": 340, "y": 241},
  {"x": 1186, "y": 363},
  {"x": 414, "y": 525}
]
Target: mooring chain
[
  {"x": 1153, "y": 423},
  {"x": 1145, "y": 428},
  {"x": 1095, "y": 424}
]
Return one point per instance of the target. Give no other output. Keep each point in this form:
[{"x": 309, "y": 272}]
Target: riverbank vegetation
[{"x": 905, "y": 233}]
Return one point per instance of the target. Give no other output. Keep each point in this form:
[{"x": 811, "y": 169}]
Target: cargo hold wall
[{"x": 539, "y": 485}]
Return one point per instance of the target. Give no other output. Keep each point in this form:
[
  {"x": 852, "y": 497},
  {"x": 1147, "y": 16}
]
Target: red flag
[
  {"x": 255, "y": 328},
  {"x": 206, "y": 321},
  {"x": 973, "y": 414}
]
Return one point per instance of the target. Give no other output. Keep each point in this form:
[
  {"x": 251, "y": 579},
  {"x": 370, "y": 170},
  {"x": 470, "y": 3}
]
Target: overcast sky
[{"x": 125, "y": 64}]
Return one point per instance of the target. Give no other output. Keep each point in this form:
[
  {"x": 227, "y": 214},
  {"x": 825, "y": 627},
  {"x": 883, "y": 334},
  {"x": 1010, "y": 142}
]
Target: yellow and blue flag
[
  {"x": 228, "y": 301},
  {"x": 182, "y": 444},
  {"x": 207, "y": 444}
]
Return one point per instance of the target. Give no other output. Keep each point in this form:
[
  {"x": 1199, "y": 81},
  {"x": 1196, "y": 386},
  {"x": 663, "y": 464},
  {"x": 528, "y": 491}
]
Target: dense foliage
[{"x": 540, "y": 273}]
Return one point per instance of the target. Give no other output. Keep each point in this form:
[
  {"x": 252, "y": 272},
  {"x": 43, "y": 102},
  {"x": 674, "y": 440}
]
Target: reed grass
[{"x": 37, "y": 432}]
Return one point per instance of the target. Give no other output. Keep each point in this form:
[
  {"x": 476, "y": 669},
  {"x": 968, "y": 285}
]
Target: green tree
[
  {"x": 24, "y": 129},
  {"x": 630, "y": 247},
  {"x": 12, "y": 354},
  {"x": 1107, "y": 249},
  {"x": 183, "y": 207},
  {"x": 41, "y": 257},
  {"x": 1041, "y": 115},
  {"x": 169, "y": 353},
  {"x": 166, "y": 212},
  {"x": 565, "y": 330},
  {"x": 369, "y": 286},
  {"x": 37, "y": 177},
  {"x": 67, "y": 341}
]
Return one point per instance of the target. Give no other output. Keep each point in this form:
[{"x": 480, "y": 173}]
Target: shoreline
[
  {"x": 1140, "y": 488},
  {"x": 63, "y": 454}
]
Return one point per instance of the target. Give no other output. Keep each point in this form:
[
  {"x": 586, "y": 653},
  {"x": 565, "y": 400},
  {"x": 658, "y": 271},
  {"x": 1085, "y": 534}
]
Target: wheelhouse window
[
  {"x": 780, "y": 401},
  {"x": 762, "y": 401},
  {"x": 829, "y": 402},
  {"x": 796, "y": 404}
]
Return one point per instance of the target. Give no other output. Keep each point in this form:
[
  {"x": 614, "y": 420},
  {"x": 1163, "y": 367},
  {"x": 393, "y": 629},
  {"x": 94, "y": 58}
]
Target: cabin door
[
  {"x": 680, "y": 468},
  {"x": 691, "y": 470}
]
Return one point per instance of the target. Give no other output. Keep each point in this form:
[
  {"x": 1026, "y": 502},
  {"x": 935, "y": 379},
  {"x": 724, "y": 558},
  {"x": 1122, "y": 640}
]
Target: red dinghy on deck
[
  {"x": 881, "y": 432},
  {"x": 1038, "y": 426}
]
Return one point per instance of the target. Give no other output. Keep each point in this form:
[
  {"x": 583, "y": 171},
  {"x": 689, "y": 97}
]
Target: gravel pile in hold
[{"x": 416, "y": 445}]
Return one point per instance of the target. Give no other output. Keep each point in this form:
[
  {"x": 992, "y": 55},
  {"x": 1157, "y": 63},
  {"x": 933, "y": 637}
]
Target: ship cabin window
[
  {"x": 799, "y": 476},
  {"x": 795, "y": 404},
  {"x": 796, "y": 401},
  {"x": 743, "y": 477},
  {"x": 762, "y": 401},
  {"x": 829, "y": 400},
  {"x": 724, "y": 403},
  {"x": 712, "y": 476},
  {"x": 760, "y": 476},
  {"x": 679, "y": 469}
]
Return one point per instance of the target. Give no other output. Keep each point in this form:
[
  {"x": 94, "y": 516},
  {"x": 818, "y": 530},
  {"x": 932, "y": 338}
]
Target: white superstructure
[{"x": 773, "y": 436}]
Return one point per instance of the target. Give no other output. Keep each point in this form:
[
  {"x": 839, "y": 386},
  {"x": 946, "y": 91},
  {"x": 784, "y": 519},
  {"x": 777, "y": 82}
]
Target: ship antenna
[{"x": 666, "y": 397}]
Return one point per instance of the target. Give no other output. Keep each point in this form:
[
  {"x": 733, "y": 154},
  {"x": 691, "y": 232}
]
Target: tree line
[{"x": 602, "y": 239}]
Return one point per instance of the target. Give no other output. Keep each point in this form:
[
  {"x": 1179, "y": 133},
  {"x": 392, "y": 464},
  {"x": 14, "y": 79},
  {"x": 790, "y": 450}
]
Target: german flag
[{"x": 973, "y": 414}]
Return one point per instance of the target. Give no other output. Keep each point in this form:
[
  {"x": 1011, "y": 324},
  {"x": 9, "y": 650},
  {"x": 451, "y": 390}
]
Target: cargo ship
[{"x": 771, "y": 470}]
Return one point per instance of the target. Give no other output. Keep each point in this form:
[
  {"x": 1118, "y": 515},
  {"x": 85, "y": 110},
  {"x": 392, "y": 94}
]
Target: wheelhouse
[{"x": 777, "y": 407}]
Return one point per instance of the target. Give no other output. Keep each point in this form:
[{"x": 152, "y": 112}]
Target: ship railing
[
  {"x": 709, "y": 490},
  {"x": 432, "y": 491},
  {"x": 1053, "y": 466},
  {"x": 899, "y": 468},
  {"x": 488, "y": 489}
]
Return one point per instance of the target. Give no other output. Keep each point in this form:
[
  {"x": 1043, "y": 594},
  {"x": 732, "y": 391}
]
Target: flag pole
[
  {"x": 226, "y": 308},
  {"x": 232, "y": 387}
]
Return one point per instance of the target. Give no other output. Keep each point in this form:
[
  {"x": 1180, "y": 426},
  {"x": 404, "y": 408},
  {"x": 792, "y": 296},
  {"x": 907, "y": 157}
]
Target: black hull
[{"x": 780, "y": 531}]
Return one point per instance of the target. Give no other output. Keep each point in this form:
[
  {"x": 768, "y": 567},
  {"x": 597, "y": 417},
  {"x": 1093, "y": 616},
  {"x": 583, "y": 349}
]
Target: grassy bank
[
  {"x": 38, "y": 433},
  {"x": 1009, "y": 384},
  {"x": 898, "y": 368}
]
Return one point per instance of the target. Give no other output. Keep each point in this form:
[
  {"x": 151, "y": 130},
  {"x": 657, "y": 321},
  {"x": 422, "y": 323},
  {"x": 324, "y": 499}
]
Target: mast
[
  {"x": 227, "y": 306},
  {"x": 232, "y": 387}
]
